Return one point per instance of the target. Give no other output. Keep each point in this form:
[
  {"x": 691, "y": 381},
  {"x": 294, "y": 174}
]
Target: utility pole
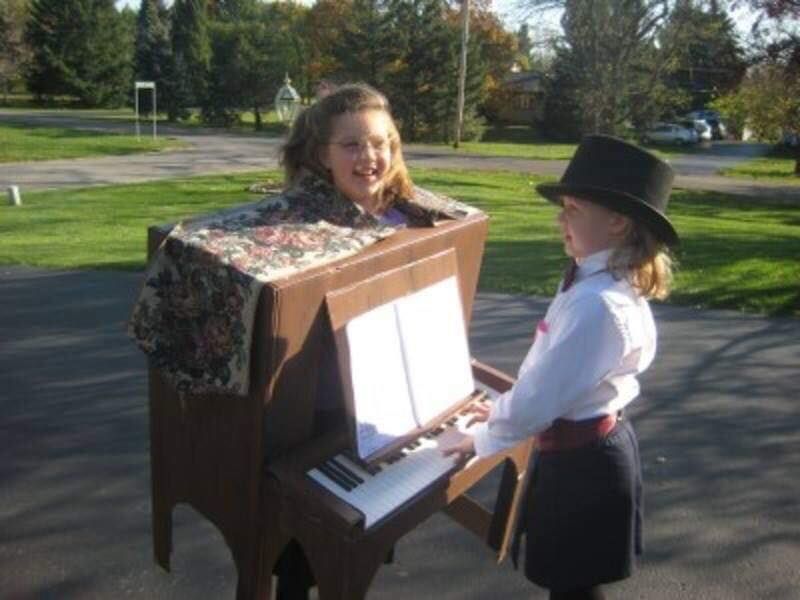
[{"x": 462, "y": 71}]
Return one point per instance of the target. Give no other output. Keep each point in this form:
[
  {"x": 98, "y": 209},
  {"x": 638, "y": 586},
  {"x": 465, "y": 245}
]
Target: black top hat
[{"x": 622, "y": 177}]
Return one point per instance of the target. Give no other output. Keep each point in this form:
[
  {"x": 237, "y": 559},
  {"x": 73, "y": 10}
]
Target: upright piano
[{"x": 266, "y": 474}]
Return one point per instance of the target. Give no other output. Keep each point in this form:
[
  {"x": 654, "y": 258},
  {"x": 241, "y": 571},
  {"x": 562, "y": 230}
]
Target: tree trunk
[
  {"x": 797, "y": 159},
  {"x": 257, "y": 114}
]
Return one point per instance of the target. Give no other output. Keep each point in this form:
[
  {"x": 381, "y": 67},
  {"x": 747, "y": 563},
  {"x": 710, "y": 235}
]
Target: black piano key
[
  {"x": 343, "y": 473},
  {"x": 349, "y": 472},
  {"x": 335, "y": 477},
  {"x": 371, "y": 468}
]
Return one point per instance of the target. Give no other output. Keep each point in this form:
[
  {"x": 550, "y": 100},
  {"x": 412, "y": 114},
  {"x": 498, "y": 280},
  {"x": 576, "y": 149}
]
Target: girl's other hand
[{"x": 463, "y": 450}]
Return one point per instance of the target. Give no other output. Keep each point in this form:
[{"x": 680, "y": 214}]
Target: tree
[
  {"x": 250, "y": 57},
  {"x": 475, "y": 92},
  {"x": 191, "y": 54},
  {"x": 777, "y": 8},
  {"x": 492, "y": 56},
  {"x": 767, "y": 102},
  {"x": 363, "y": 47},
  {"x": 79, "y": 48},
  {"x": 152, "y": 53},
  {"x": 322, "y": 28},
  {"x": 420, "y": 64},
  {"x": 524, "y": 46},
  {"x": 709, "y": 59},
  {"x": 608, "y": 68},
  {"x": 14, "y": 52}
]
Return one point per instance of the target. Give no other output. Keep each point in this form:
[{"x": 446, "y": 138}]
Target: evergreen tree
[
  {"x": 524, "y": 46},
  {"x": 419, "y": 65},
  {"x": 234, "y": 10},
  {"x": 473, "y": 125},
  {"x": 224, "y": 94},
  {"x": 191, "y": 52},
  {"x": 608, "y": 72},
  {"x": 362, "y": 49},
  {"x": 79, "y": 48},
  {"x": 14, "y": 52},
  {"x": 152, "y": 54},
  {"x": 709, "y": 59},
  {"x": 250, "y": 59}
]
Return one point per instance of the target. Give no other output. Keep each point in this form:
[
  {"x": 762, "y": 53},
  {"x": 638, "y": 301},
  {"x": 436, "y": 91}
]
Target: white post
[
  {"x": 13, "y": 196},
  {"x": 462, "y": 70},
  {"x": 154, "y": 113},
  {"x": 136, "y": 102},
  {"x": 145, "y": 85}
]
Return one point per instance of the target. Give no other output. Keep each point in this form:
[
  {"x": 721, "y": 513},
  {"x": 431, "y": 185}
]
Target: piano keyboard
[{"x": 390, "y": 484}]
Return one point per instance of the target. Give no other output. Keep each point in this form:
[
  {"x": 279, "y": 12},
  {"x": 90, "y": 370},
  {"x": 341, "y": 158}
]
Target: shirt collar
[{"x": 594, "y": 263}]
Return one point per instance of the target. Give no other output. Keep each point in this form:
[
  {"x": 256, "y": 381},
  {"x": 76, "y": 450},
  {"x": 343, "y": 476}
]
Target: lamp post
[{"x": 287, "y": 101}]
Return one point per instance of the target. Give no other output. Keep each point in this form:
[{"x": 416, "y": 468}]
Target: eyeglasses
[{"x": 356, "y": 147}]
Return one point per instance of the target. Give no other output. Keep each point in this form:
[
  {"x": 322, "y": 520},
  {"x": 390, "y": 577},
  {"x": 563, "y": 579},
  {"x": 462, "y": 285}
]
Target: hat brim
[{"x": 618, "y": 201}]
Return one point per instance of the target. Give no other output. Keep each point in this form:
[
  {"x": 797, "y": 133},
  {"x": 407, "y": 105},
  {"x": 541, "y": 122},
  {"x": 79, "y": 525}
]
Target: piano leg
[
  {"x": 162, "y": 535},
  {"x": 295, "y": 578}
]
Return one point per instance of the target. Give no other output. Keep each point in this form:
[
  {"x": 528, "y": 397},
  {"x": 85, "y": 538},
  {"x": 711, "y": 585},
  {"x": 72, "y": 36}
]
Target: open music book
[{"x": 409, "y": 362}]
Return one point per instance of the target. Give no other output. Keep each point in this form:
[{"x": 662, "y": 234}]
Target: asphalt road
[
  {"x": 718, "y": 424},
  {"x": 213, "y": 152}
]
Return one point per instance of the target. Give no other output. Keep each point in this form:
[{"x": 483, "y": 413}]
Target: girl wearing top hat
[{"x": 583, "y": 513}]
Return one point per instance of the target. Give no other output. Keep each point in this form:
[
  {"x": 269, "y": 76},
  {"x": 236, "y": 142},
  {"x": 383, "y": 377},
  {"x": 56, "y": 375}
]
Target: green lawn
[
  {"x": 25, "y": 143},
  {"x": 517, "y": 141},
  {"x": 778, "y": 165},
  {"x": 735, "y": 254},
  {"x": 529, "y": 150}
]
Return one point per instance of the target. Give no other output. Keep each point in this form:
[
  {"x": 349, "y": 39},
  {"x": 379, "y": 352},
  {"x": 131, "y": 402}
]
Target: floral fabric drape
[{"x": 194, "y": 316}]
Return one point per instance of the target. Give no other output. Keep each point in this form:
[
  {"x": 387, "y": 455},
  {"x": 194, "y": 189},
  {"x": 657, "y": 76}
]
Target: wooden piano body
[{"x": 235, "y": 459}]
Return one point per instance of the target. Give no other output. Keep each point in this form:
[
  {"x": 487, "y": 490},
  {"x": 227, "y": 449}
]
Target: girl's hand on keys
[
  {"x": 480, "y": 413},
  {"x": 464, "y": 449}
]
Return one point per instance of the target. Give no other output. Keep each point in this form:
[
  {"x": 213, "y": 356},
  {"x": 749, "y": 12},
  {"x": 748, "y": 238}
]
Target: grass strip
[
  {"x": 738, "y": 254},
  {"x": 19, "y": 143}
]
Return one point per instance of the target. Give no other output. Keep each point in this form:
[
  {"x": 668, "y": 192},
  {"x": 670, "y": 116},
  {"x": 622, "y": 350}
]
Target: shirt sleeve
[{"x": 585, "y": 346}]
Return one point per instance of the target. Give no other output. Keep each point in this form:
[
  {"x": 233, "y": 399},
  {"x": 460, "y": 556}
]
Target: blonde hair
[
  {"x": 644, "y": 261},
  {"x": 312, "y": 130}
]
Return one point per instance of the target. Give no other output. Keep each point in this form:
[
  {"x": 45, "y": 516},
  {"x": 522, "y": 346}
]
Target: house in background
[{"x": 523, "y": 92}]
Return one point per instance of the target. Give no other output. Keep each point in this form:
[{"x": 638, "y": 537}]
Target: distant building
[{"x": 524, "y": 97}]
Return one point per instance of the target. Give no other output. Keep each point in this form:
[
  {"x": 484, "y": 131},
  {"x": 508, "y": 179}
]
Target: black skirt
[{"x": 583, "y": 517}]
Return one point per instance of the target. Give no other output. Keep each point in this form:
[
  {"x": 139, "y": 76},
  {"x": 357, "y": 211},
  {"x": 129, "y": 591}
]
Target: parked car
[
  {"x": 718, "y": 131},
  {"x": 669, "y": 133},
  {"x": 702, "y": 128},
  {"x": 713, "y": 120}
]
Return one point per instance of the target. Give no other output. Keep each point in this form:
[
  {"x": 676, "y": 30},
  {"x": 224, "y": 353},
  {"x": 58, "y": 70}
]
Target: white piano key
[{"x": 399, "y": 482}]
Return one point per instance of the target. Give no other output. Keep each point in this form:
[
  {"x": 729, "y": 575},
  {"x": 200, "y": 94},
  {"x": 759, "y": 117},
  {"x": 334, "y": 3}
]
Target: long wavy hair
[
  {"x": 644, "y": 261},
  {"x": 312, "y": 129}
]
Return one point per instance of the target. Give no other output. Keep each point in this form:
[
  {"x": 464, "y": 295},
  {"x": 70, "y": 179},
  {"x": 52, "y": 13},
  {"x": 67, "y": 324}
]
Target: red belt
[{"x": 567, "y": 435}]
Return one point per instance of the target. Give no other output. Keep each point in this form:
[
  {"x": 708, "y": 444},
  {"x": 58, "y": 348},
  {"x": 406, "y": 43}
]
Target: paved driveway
[{"x": 719, "y": 430}]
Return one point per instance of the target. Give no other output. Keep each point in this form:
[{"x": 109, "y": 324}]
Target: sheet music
[
  {"x": 380, "y": 388},
  {"x": 435, "y": 348},
  {"x": 409, "y": 362}
]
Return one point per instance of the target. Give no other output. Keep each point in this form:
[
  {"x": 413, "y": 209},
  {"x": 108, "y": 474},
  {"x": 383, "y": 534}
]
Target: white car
[
  {"x": 703, "y": 129},
  {"x": 669, "y": 133}
]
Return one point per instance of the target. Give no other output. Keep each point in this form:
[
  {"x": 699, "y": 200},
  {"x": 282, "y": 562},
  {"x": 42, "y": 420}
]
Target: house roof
[{"x": 524, "y": 81}]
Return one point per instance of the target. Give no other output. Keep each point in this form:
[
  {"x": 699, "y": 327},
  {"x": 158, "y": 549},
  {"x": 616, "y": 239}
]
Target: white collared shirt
[{"x": 593, "y": 342}]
